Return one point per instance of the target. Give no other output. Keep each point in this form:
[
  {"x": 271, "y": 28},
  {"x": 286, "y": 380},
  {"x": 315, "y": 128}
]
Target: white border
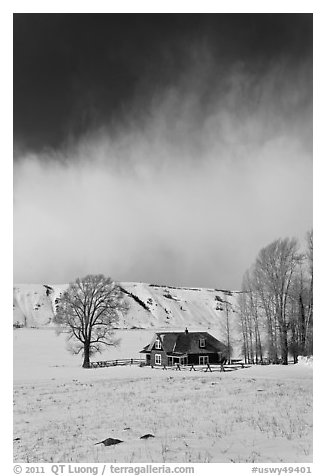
[{"x": 7, "y": 9}]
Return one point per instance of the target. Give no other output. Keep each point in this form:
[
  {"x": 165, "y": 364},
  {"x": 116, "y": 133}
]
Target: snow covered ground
[
  {"x": 259, "y": 414},
  {"x": 42, "y": 354}
]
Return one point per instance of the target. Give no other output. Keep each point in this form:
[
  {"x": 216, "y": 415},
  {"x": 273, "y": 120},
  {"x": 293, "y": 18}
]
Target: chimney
[{"x": 186, "y": 331}]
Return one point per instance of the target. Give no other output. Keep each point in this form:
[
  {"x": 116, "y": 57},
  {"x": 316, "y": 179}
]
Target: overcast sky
[{"x": 159, "y": 148}]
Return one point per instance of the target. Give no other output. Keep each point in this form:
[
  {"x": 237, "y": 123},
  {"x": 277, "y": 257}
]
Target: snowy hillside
[
  {"x": 151, "y": 306},
  {"x": 34, "y": 304}
]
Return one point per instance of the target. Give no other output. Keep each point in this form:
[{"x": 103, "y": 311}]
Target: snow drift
[{"x": 308, "y": 360}]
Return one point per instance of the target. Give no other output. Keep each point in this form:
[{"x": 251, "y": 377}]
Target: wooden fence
[
  {"x": 206, "y": 367},
  {"x": 114, "y": 363},
  {"x": 142, "y": 362}
]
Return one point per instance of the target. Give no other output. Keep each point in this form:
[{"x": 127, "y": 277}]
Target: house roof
[{"x": 186, "y": 343}]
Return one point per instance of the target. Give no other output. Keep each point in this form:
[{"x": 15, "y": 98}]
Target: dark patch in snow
[
  {"x": 109, "y": 442},
  {"x": 174, "y": 287},
  {"x": 145, "y": 437},
  {"x": 224, "y": 291},
  {"x": 18, "y": 325},
  {"x": 136, "y": 298},
  {"x": 217, "y": 298},
  {"x": 49, "y": 289},
  {"x": 168, "y": 295}
]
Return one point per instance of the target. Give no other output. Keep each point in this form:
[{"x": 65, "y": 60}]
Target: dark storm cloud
[
  {"x": 160, "y": 148},
  {"x": 75, "y": 72}
]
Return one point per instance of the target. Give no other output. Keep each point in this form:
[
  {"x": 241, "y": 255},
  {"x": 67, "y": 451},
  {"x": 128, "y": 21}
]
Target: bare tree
[
  {"x": 88, "y": 311},
  {"x": 309, "y": 314},
  {"x": 228, "y": 330},
  {"x": 250, "y": 318},
  {"x": 243, "y": 316},
  {"x": 276, "y": 303},
  {"x": 276, "y": 265},
  {"x": 255, "y": 313},
  {"x": 226, "y": 325}
]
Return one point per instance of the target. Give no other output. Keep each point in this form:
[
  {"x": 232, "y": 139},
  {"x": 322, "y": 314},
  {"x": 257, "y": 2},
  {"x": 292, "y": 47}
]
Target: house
[{"x": 185, "y": 348}]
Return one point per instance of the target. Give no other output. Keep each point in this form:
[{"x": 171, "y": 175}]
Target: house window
[
  {"x": 203, "y": 359},
  {"x": 158, "y": 359},
  {"x": 202, "y": 342},
  {"x": 158, "y": 344}
]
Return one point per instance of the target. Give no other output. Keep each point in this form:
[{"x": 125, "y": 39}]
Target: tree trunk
[
  {"x": 294, "y": 341},
  {"x": 228, "y": 331},
  {"x": 244, "y": 346},
  {"x": 251, "y": 347},
  {"x": 302, "y": 326},
  {"x": 260, "y": 349},
  {"x": 284, "y": 345},
  {"x": 86, "y": 363}
]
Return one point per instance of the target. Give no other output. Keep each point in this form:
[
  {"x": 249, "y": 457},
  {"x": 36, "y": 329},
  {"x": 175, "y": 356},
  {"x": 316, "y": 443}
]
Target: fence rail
[
  {"x": 194, "y": 367},
  {"x": 205, "y": 367},
  {"x": 117, "y": 362}
]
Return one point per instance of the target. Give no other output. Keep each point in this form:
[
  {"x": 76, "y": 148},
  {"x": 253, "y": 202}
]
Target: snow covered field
[
  {"x": 41, "y": 353},
  {"x": 260, "y": 414}
]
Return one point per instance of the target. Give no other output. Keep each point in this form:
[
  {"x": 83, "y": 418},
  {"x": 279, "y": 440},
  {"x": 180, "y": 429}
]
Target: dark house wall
[
  {"x": 192, "y": 358},
  {"x": 164, "y": 358},
  {"x": 212, "y": 358}
]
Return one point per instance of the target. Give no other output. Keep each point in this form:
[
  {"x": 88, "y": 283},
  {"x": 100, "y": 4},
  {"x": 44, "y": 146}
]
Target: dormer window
[
  {"x": 202, "y": 343},
  {"x": 158, "y": 344}
]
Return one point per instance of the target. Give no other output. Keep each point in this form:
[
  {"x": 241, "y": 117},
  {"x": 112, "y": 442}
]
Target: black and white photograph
[{"x": 163, "y": 238}]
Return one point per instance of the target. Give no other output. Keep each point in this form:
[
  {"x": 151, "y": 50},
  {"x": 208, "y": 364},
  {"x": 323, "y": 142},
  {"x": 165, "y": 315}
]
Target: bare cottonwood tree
[
  {"x": 276, "y": 265},
  {"x": 250, "y": 318},
  {"x": 267, "y": 311},
  {"x": 228, "y": 330},
  {"x": 88, "y": 311},
  {"x": 226, "y": 325},
  {"x": 277, "y": 298},
  {"x": 309, "y": 314},
  {"x": 246, "y": 326}
]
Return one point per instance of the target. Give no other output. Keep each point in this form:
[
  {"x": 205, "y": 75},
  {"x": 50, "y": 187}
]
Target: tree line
[{"x": 276, "y": 303}]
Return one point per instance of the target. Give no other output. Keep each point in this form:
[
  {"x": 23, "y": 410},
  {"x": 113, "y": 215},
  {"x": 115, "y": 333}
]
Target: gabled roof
[
  {"x": 186, "y": 342},
  {"x": 145, "y": 350}
]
